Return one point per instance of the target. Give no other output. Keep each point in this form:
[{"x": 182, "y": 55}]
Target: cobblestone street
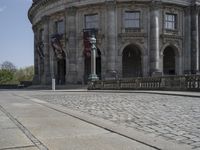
[{"x": 175, "y": 118}]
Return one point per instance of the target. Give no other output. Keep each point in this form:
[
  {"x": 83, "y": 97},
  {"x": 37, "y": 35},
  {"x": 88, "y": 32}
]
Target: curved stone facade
[{"x": 134, "y": 38}]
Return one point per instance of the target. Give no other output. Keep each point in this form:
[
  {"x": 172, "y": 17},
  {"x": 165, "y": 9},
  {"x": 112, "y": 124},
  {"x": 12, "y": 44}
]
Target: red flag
[{"x": 87, "y": 46}]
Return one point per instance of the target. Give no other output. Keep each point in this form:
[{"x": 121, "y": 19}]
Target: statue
[{"x": 57, "y": 46}]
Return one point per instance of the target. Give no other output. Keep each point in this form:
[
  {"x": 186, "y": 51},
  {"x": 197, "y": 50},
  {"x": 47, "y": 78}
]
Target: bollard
[{"x": 53, "y": 85}]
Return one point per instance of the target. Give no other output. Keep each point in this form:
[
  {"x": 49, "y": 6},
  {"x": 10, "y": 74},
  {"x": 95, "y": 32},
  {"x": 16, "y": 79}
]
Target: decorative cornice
[{"x": 37, "y": 4}]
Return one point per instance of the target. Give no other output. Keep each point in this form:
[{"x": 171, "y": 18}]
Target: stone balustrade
[{"x": 187, "y": 82}]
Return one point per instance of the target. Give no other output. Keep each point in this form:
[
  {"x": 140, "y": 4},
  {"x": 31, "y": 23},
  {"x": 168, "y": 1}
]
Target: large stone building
[{"x": 134, "y": 38}]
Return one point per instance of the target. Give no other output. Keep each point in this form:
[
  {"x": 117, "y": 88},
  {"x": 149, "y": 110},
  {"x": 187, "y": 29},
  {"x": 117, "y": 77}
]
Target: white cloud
[{"x": 2, "y": 8}]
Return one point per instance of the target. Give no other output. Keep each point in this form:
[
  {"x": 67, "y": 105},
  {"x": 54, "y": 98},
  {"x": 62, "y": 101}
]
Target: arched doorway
[
  {"x": 88, "y": 66},
  {"x": 169, "y": 61},
  {"x": 131, "y": 62},
  {"x": 61, "y": 71}
]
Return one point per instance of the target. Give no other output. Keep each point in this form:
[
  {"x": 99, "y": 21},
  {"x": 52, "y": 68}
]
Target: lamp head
[{"x": 92, "y": 39}]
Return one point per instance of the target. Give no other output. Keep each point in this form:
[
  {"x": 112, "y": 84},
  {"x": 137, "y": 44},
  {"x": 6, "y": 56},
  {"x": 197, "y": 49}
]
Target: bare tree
[{"x": 7, "y": 65}]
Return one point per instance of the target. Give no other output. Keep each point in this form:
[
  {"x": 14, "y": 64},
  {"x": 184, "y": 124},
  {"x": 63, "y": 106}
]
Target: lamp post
[{"x": 93, "y": 76}]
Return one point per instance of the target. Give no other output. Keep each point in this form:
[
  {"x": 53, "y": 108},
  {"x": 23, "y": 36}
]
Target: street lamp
[{"x": 93, "y": 76}]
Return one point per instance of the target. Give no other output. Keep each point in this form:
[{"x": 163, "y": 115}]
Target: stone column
[
  {"x": 155, "y": 39},
  {"x": 71, "y": 33},
  {"x": 195, "y": 39},
  {"x": 36, "y": 69},
  {"x": 111, "y": 39},
  {"x": 47, "y": 73}
]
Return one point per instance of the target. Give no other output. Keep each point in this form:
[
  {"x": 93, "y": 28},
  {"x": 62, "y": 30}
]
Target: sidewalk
[
  {"x": 28, "y": 125},
  {"x": 11, "y": 136}
]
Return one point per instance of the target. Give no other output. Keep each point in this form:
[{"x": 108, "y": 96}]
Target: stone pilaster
[
  {"x": 36, "y": 69},
  {"x": 71, "y": 34},
  {"x": 111, "y": 39},
  {"x": 187, "y": 41},
  {"x": 154, "y": 39},
  {"x": 195, "y": 39},
  {"x": 46, "y": 42},
  {"x": 51, "y": 51}
]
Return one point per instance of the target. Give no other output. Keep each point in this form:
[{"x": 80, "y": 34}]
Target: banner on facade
[
  {"x": 57, "y": 46},
  {"x": 87, "y": 33}
]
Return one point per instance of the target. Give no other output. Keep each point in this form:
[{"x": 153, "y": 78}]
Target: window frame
[
  {"x": 173, "y": 22},
  {"x": 133, "y": 19},
  {"x": 92, "y": 21},
  {"x": 57, "y": 27}
]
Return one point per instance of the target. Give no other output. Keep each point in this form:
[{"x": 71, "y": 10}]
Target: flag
[
  {"x": 40, "y": 47},
  {"x": 87, "y": 33},
  {"x": 57, "y": 46}
]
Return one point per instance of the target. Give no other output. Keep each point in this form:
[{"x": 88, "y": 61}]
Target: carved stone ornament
[
  {"x": 45, "y": 19},
  {"x": 155, "y": 4},
  {"x": 174, "y": 40},
  {"x": 71, "y": 11},
  {"x": 111, "y": 4},
  {"x": 131, "y": 40}
]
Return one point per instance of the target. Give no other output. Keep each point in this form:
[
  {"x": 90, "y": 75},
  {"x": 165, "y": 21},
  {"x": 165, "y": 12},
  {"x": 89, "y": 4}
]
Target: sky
[{"x": 16, "y": 36}]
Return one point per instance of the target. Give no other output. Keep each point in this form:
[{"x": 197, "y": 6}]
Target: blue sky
[{"x": 16, "y": 36}]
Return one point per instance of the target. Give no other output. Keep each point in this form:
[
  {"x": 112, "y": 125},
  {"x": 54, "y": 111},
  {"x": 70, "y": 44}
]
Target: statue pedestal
[{"x": 93, "y": 77}]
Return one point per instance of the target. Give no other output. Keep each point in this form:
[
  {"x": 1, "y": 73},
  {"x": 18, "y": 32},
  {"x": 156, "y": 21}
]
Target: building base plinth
[
  {"x": 111, "y": 75},
  {"x": 156, "y": 74},
  {"x": 72, "y": 77}
]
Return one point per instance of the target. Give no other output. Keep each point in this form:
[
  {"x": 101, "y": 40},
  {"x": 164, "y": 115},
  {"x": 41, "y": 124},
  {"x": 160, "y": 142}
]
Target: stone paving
[{"x": 175, "y": 118}]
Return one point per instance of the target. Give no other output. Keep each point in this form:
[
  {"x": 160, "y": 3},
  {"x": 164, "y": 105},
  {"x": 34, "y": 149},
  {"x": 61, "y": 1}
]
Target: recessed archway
[
  {"x": 61, "y": 71},
  {"x": 131, "y": 62},
  {"x": 169, "y": 61}
]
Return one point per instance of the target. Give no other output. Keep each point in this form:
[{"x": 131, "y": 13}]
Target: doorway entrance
[
  {"x": 131, "y": 62},
  {"x": 169, "y": 61},
  {"x": 61, "y": 71}
]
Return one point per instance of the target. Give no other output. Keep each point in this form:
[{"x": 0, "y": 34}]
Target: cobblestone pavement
[{"x": 172, "y": 117}]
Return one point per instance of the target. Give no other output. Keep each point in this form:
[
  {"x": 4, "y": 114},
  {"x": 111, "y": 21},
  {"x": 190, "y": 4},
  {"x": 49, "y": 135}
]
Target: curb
[
  {"x": 183, "y": 94},
  {"x": 152, "y": 92}
]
